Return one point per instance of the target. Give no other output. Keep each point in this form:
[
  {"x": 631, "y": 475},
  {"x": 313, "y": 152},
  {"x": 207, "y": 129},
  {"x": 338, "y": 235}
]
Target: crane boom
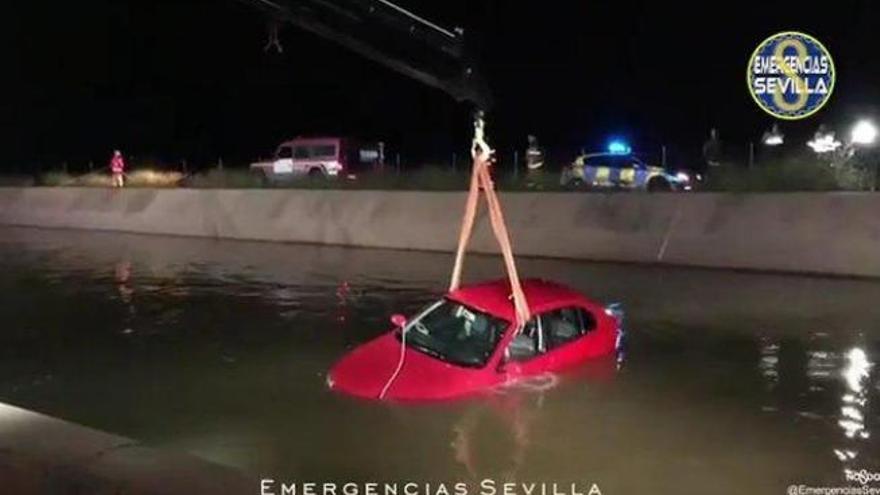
[{"x": 391, "y": 35}]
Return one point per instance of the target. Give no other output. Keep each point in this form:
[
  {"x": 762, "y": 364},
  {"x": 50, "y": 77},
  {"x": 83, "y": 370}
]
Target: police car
[{"x": 619, "y": 168}]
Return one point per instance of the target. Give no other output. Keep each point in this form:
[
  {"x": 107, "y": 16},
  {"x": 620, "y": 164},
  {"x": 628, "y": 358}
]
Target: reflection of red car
[{"x": 466, "y": 343}]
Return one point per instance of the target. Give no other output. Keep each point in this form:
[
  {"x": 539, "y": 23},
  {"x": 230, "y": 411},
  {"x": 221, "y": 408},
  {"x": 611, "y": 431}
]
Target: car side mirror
[{"x": 398, "y": 320}]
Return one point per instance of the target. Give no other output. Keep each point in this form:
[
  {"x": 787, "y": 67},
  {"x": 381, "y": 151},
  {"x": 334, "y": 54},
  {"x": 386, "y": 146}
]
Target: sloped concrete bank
[
  {"x": 822, "y": 233},
  {"x": 40, "y": 454}
]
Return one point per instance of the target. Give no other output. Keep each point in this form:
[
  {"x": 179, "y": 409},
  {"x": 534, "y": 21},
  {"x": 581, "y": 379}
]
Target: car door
[
  {"x": 301, "y": 158},
  {"x": 326, "y": 156},
  {"x": 283, "y": 163},
  {"x": 642, "y": 174},
  {"x": 626, "y": 172},
  {"x": 564, "y": 337},
  {"x": 597, "y": 171}
]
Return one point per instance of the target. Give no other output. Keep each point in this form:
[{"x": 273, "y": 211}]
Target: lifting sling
[{"x": 481, "y": 179}]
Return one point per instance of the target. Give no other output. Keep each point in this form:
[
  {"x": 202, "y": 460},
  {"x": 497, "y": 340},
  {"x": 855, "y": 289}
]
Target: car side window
[
  {"x": 528, "y": 343},
  {"x": 323, "y": 151},
  {"x": 566, "y": 324},
  {"x": 621, "y": 162},
  {"x": 550, "y": 330},
  {"x": 597, "y": 161},
  {"x": 301, "y": 153},
  {"x": 285, "y": 152}
]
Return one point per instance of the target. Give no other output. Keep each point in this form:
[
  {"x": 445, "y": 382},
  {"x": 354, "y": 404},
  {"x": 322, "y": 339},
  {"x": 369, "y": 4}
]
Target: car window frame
[
  {"x": 581, "y": 330},
  {"x": 280, "y": 153},
  {"x": 585, "y": 330},
  {"x": 498, "y": 346},
  {"x": 621, "y": 162},
  {"x": 590, "y": 161},
  {"x": 539, "y": 345}
]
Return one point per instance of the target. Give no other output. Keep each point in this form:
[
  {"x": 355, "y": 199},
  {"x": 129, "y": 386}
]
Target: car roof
[
  {"x": 494, "y": 297},
  {"x": 317, "y": 140},
  {"x": 606, "y": 153}
]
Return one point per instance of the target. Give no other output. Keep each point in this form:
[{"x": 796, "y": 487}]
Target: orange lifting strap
[{"x": 482, "y": 179}]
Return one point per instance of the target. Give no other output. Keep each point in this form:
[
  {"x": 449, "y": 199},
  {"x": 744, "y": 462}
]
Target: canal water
[{"x": 732, "y": 383}]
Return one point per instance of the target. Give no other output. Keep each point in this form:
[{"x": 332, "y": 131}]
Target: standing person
[
  {"x": 772, "y": 139},
  {"x": 534, "y": 162},
  {"x": 117, "y": 169},
  {"x": 577, "y": 168},
  {"x": 712, "y": 150}
]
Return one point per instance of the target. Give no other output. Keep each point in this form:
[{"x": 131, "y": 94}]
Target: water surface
[{"x": 733, "y": 383}]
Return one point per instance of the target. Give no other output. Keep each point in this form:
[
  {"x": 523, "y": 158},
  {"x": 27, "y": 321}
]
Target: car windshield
[{"x": 455, "y": 333}]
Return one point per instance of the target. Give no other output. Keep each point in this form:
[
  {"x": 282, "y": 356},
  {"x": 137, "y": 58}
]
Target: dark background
[{"x": 174, "y": 80}]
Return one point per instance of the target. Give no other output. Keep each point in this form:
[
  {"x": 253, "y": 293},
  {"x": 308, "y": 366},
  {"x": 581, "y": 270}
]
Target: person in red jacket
[{"x": 117, "y": 168}]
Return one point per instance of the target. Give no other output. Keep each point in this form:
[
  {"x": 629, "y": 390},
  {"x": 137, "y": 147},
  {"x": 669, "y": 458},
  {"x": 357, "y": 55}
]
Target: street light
[
  {"x": 824, "y": 141},
  {"x": 864, "y": 133},
  {"x": 774, "y": 140},
  {"x": 773, "y": 136}
]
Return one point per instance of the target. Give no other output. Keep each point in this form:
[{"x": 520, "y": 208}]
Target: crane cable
[{"x": 482, "y": 179}]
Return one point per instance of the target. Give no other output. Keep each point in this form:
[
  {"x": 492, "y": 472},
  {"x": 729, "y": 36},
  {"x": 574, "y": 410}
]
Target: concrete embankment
[
  {"x": 40, "y": 454},
  {"x": 827, "y": 233}
]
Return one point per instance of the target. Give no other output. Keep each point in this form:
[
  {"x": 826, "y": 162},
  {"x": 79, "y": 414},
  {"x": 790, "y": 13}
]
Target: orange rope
[{"x": 481, "y": 178}]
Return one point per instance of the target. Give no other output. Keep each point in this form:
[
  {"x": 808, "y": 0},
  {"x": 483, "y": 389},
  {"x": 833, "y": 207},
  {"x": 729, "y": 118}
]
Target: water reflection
[
  {"x": 125, "y": 290},
  {"x": 769, "y": 364},
  {"x": 343, "y": 294},
  {"x": 493, "y": 438},
  {"x": 508, "y": 419},
  {"x": 853, "y": 408},
  {"x": 794, "y": 374},
  {"x": 122, "y": 276}
]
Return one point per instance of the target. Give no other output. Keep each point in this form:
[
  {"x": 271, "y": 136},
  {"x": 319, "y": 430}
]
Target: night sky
[{"x": 173, "y": 80}]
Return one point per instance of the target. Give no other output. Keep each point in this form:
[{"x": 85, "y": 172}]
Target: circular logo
[{"x": 791, "y": 75}]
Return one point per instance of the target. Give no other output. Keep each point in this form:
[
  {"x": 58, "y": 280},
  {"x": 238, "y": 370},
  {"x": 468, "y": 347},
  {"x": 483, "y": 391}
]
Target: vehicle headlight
[{"x": 683, "y": 177}]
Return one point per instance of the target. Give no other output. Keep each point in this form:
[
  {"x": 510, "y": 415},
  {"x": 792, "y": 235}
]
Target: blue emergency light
[{"x": 619, "y": 148}]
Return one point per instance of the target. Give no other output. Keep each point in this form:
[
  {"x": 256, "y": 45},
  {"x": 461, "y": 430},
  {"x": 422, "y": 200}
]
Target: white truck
[{"x": 319, "y": 157}]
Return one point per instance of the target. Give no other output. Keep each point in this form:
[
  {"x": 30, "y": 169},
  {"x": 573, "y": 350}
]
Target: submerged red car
[{"x": 467, "y": 343}]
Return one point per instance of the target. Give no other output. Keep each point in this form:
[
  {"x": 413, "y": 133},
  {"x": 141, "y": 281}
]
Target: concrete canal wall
[
  {"x": 41, "y": 454},
  {"x": 828, "y": 233}
]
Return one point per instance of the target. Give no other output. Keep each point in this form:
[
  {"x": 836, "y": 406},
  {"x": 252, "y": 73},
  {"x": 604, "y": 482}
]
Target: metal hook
[{"x": 273, "y": 40}]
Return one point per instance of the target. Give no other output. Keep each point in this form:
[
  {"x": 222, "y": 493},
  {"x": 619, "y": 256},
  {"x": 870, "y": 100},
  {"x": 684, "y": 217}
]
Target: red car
[{"x": 466, "y": 343}]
